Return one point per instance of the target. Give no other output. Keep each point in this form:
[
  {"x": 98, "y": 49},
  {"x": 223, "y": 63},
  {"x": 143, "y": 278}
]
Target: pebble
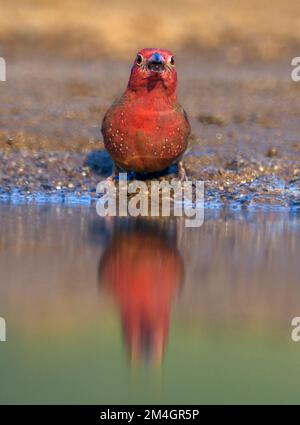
[{"x": 230, "y": 179}]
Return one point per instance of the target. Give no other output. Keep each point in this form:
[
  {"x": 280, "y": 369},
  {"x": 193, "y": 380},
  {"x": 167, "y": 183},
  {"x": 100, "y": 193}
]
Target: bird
[{"x": 146, "y": 130}]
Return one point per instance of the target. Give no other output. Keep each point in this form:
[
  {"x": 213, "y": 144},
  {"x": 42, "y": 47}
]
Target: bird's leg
[
  {"x": 181, "y": 172},
  {"x": 115, "y": 171}
]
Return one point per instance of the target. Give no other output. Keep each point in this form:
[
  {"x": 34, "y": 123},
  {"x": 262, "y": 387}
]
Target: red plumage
[{"x": 146, "y": 130}]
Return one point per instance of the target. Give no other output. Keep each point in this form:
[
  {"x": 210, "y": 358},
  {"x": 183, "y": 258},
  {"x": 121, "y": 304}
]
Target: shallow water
[{"x": 140, "y": 311}]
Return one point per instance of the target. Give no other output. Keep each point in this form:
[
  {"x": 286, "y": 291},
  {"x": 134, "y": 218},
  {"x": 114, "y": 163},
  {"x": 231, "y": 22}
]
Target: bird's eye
[
  {"x": 139, "y": 60},
  {"x": 172, "y": 61}
]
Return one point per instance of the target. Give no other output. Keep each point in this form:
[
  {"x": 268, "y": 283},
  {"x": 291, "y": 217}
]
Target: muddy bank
[{"x": 245, "y": 122}]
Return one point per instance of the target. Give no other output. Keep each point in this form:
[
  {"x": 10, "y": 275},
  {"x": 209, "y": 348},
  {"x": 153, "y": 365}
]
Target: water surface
[{"x": 140, "y": 311}]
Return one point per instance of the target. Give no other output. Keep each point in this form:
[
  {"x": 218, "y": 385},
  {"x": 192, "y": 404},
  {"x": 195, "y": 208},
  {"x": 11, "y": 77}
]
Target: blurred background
[
  {"x": 264, "y": 29},
  {"x": 67, "y": 61}
]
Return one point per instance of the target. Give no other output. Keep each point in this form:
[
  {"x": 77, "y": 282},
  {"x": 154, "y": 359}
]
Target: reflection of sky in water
[{"x": 210, "y": 306}]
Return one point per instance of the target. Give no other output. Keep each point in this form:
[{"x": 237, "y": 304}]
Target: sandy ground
[
  {"x": 65, "y": 66},
  {"x": 245, "y": 123}
]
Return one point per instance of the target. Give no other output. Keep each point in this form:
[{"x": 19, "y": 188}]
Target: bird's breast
[{"x": 145, "y": 137}]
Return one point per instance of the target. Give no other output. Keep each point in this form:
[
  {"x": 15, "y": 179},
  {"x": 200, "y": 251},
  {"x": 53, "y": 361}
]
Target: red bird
[{"x": 147, "y": 130}]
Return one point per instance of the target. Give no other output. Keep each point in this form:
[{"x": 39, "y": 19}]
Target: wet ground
[
  {"x": 244, "y": 116},
  {"x": 135, "y": 311}
]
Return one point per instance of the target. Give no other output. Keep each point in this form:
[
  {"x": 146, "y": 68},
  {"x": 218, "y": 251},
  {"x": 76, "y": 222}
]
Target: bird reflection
[{"x": 142, "y": 270}]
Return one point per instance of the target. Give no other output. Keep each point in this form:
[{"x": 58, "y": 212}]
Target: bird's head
[{"x": 154, "y": 68}]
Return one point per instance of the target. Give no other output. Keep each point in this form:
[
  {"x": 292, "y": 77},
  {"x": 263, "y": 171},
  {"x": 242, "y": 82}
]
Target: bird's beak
[{"x": 156, "y": 63}]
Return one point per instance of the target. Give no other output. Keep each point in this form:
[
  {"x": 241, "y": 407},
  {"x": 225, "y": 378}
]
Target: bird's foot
[
  {"x": 181, "y": 172},
  {"x": 111, "y": 179}
]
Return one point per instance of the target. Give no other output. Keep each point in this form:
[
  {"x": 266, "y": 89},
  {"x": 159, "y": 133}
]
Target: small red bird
[{"x": 147, "y": 130}]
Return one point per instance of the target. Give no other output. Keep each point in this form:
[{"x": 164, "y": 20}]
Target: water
[{"x": 135, "y": 311}]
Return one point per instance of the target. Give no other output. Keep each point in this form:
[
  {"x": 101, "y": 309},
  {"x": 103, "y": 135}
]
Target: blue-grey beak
[{"x": 156, "y": 63}]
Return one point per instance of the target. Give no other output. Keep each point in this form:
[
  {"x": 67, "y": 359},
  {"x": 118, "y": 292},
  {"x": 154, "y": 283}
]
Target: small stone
[{"x": 272, "y": 151}]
